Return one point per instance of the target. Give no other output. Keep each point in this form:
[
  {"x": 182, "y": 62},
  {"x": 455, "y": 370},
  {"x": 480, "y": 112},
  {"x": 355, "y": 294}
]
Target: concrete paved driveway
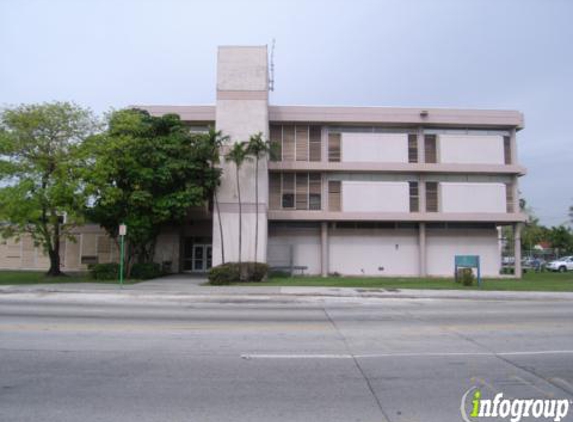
[{"x": 174, "y": 282}]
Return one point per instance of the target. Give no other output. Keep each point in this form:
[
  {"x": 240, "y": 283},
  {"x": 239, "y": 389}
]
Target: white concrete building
[{"x": 354, "y": 190}]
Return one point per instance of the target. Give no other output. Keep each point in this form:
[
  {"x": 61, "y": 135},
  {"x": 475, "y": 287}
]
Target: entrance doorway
[{"x": 197, "y": 257}]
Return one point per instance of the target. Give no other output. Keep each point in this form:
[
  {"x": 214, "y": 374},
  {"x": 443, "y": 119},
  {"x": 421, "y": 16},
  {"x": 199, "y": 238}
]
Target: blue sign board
[{"x": 468, "y": 261}]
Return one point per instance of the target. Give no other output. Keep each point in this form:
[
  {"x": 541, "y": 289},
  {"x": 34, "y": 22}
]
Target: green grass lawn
[
  {"x": 550, "y": 282},
  {"x": 36, "y": 277}
]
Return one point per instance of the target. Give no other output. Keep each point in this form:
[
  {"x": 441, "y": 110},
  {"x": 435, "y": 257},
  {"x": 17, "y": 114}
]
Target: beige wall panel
[
  {"x": 375, "y": 196},
  {"x": 374, "y": 253},
  {"x": 73, "y": 253},
  {"x": 471, "y": 149},
  {"x": 375, "y": 147},
  {"x": 42, "y": 259},
  {"x": 11, "y": 258},
  {"x": 444, "y": 245},
  {"x": 472, "y": 197},
  {"x": 305, "y": 251},
  {"x": 28, "y": 260}
]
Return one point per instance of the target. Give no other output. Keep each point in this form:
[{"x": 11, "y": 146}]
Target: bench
[{"x": 291, "y": 269}]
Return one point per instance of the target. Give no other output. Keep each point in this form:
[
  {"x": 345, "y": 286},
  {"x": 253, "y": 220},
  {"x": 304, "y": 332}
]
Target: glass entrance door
[
  {"x": 198, "y": 257},
  {"x": 197, "y": 254}
]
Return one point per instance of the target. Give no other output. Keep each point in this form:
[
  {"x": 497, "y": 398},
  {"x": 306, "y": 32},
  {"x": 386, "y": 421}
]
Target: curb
[{"x": 284, "y": 294}]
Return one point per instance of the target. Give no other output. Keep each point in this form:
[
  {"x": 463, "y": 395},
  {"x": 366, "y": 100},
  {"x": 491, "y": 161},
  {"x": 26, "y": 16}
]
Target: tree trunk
[
  {"x": 128, "y": 253},
  {"x": 54, "y": 254},
  {"x": 240, "y": 224},
  {"x": 256, "y": 207},
  {"x": 220, "y": 227}
]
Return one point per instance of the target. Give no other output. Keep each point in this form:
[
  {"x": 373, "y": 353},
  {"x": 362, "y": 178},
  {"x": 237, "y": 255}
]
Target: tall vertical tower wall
[{"x": 242, "y": 110}]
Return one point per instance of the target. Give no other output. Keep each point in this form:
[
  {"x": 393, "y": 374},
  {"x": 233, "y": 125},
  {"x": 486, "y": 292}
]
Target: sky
[{"x": 492, "y": 54}]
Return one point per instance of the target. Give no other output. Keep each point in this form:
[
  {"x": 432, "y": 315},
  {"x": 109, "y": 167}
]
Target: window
[
  {"x": 432, "y": 196},
  {"x": 430, "y": 152},
  {"x": 314, "y": 191},
  {"x": 510, "y": 205},
  {"x": 288, "y": 190},
  {"x": 288, "y": 147},
  {"x": 414, "y": 197},
  {"x": 334, "y": 189},
  {"x": 276, "y": 142},
  {"x": 507, "y": 149},
  {"x": 296, "y": 143},
  {"x": 301, "y": 191},
  {"x": 315, "y": 143},
  {"x": 89, "y": 259},
  {"x": 412, "y": 148},
  {"x": 334, "y": 147},
  {"x": 275, "y": 191},
  {"x": 301, "y": 143}
]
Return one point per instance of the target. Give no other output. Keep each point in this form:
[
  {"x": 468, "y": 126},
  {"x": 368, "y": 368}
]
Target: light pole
[{"x": 122, "y": 233}]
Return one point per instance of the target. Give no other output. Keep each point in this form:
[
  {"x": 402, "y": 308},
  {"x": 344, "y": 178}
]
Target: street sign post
[{"x": 122, "y": 233}]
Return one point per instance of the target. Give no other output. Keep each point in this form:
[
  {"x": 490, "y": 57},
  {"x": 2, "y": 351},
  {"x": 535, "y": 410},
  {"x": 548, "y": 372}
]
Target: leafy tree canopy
[
  {"x": 146, "y": 172},
  {"x": 39, "y": 162}
]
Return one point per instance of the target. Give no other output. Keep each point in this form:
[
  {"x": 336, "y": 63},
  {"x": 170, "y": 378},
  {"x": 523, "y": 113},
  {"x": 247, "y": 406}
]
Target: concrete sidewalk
[{"x": 184, "y": 286}]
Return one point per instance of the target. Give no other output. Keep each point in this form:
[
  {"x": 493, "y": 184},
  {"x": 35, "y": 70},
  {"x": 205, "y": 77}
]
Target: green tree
[
  {"x": 216, "y": 140},
  {"x": 237, "y": 155},
  {"x": 258, "y": 148},
  {"x": 147, "y": 172},
  {"x": 42, "y": 194},
  {"x": 533, "y": 232},
  {"x": 561, "y": 239}
]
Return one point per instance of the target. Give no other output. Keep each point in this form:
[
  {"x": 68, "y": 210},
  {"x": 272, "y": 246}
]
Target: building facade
[{"x": 375, "y": 191}]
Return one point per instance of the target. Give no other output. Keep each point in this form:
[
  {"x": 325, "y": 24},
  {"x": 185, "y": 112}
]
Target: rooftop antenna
[{"x": 272, "y": 68}]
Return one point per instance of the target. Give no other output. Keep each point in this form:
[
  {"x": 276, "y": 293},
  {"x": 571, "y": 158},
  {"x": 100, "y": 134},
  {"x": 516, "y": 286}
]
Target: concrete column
[
  {"x": 513, "y": 147},
  {"x": 242, "y": 111},
  {"x": 422, "y": 193},
  {"x": 324, "y": 249},
  {"x": 324, "y": 144},
  {"x": 422, "y": 247},
  {"x": 517, "y": 248},
  {"x": 324, "y": 192},
  {"x": 421, "y": 158},
  {"x": 515, "y": 193}
]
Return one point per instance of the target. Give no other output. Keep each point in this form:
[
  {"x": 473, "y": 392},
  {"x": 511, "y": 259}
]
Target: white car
[{"x": 562, "y": 264}]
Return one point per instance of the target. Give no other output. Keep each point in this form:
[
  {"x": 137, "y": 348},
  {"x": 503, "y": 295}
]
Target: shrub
[
  {"x": 466, "y": 276},
  {"x": 145, "y": 271},
  {"x": 257, "y": 271},
  {"x": 231, "y": 273},
  {"x": 224, "y": 274},
  {"x": 105, "y": 271}
]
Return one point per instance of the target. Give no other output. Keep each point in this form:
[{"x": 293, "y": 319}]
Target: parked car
[
  {"x": 533, "y": 263},
  {"x": 561, "y": 264}
]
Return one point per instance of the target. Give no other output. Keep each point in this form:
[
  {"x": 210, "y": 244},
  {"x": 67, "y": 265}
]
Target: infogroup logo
[{"x": 512, "y": 409}]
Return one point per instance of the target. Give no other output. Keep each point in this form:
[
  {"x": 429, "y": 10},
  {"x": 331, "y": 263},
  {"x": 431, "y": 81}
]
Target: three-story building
[{"x": 351, "y": 190}]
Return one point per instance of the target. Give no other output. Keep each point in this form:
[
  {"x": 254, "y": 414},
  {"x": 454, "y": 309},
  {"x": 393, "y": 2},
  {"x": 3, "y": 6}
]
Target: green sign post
[
  {"x": 122, "y": 233},
  {"x": 467, "y": 261}
]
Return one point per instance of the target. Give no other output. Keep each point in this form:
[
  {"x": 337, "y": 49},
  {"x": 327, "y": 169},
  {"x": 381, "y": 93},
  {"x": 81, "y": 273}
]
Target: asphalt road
[{"x": 392, "y": 360}]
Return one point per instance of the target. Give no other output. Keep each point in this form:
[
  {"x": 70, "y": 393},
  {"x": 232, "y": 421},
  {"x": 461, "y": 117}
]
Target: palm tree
[
  {"x": 258, "y": 148},
  {"x": 216, "y": 141},
  {"x": 238, "y": 154}
]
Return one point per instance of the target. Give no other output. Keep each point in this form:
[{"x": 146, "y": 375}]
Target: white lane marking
[
  {"x": 293, "y": 356},
  {"x": 397, "y": 355}
]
